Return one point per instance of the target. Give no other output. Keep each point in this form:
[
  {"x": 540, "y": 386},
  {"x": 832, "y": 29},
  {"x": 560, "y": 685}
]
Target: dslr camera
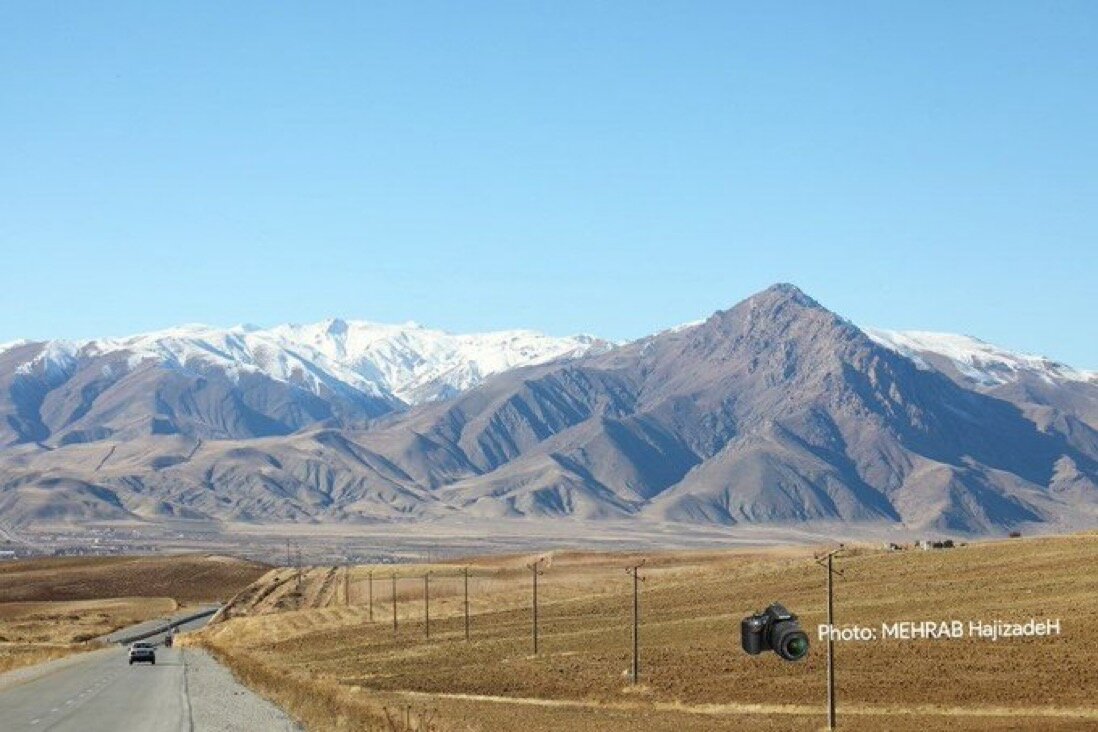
[{"x": 774, "y": 629}]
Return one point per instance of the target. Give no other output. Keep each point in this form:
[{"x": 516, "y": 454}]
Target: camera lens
[
  {"x": 790, "y": 642},
  {"x": 796, "y": 646}
]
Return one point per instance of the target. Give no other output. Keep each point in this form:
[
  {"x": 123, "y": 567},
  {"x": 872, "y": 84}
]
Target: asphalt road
[
  {"x": 125, "y": 635},
  {"x": 101, "y": 691}
]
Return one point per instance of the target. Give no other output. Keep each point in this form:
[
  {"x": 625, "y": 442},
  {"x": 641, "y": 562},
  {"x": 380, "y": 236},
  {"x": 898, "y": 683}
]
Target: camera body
[{"x": 774, "y": 629}]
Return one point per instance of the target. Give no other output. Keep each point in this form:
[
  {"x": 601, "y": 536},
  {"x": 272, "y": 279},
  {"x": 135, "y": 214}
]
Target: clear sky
[{"x": 612, "y": 168}]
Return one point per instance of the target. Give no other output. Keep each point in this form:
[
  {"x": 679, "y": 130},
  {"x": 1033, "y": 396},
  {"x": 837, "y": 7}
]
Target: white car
[{"x": 142, "y": 651}]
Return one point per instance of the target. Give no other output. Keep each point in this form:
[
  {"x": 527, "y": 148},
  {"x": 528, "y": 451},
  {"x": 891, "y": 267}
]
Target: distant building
[{"x": 930, "y": 544}]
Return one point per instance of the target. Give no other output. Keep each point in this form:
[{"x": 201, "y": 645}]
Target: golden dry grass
[
  {"x": 694, "y": 674},
  {"x": 76, "y": 621}
]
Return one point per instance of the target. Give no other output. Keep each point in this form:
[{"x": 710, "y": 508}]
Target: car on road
[{"x": 142, "y": 651}]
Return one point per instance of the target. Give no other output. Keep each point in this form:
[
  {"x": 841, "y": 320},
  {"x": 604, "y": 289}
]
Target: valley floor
[{"x": 431, "y": 540}]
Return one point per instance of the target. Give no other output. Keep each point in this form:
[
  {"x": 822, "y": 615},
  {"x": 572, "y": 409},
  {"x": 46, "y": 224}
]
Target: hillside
[{"x": 187, "y": 579}]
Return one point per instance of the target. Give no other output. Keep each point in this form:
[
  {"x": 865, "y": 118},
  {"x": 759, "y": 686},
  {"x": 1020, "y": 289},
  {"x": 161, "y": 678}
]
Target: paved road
[
  {"x": 126, "y": 634},
  {"x": 100, "y": 691}
]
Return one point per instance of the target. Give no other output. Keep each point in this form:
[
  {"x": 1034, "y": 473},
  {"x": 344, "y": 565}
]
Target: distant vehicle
[
  {"x": 168, "y": 641},
  {"x": 142, "y": 651}
]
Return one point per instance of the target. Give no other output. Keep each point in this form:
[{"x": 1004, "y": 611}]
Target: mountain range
[
  {"x": 773, "y": 411},
  {"x": 246, "y": 381}
]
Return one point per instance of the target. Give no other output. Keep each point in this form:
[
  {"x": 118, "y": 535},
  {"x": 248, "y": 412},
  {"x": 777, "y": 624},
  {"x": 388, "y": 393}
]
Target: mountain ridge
[
  {"x": 280, "y": 379},
  {"x": 775, "y": 410}
]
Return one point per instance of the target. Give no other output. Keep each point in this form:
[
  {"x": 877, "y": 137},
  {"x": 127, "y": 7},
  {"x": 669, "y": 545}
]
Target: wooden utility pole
[
  {"x": 297, "y": 563},
  {"x": 465, "y": 572},
  {"x": 427, "y": 604},
  {"x": 394, "y": 603},
  {"x": 637, "y": 579},
  {"x": 347, "y": 586},
  {"x": 825, "y": 561},
  {"x": 535, "y": 570},
  {"x": 370, "y": 586}
]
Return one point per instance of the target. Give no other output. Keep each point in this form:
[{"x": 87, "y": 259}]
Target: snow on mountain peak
[
  {"x": 414, "y": 364},
  {"x": 419, "y": 364},
  {"x": 984, "y": 363},
  {"x": 407, "y": 362}
]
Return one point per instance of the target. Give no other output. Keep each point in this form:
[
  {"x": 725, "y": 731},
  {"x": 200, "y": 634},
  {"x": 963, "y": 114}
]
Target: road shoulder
[{"x": 220, "y": 703}]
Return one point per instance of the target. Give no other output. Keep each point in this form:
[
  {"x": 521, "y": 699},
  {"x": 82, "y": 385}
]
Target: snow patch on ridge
[{"x": 982, "y": 362}]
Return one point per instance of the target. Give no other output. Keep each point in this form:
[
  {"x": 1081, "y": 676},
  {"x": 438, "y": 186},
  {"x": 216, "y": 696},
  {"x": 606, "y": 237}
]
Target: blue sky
[{"x": 612, "y": 168}]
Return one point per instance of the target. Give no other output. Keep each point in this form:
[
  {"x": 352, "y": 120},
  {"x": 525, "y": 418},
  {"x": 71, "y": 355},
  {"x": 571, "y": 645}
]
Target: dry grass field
[
  {"x": 188, "y": 579},
  {"x": 18, "y": 655},
  {"x": 76, "y": 621},
  {"x": 312, "y": 646},
  {"x": 50, "y": 608}
]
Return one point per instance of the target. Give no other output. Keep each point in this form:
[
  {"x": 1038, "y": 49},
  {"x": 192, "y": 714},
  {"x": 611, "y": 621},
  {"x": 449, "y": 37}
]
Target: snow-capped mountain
[
  {"x": 246, "y": 381},
  {"x": 417, "y": 364},
  {"x": 976, "y": 360},
  {"x": 409, "y": 362}
]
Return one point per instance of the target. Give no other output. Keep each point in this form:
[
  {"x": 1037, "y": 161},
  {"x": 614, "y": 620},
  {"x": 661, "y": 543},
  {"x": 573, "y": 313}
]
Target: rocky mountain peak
[
  {"x": 336, "y": 327},
  {"x": 783, "y": 292}
]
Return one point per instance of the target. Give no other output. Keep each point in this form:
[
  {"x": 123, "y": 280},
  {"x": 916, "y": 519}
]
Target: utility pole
[
  {"x": 298, "y": 565},
  {"x": 347, "y": 586},
  {"x": 637, "y": 579},
  {"x": 536, "y": 569},
  {"x": 394, "y": 603},
  {"x": 825, "y": 561},
  {"x": 427, "y": 604},
  {"x": 465, "y": 572},
  {"x": 370, "y": 585}
]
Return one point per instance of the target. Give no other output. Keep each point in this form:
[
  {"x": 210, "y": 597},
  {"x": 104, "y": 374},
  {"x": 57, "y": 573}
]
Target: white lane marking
[
  {"x": 35, "y": 721},
  {"x": 53, "y": 710}
]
